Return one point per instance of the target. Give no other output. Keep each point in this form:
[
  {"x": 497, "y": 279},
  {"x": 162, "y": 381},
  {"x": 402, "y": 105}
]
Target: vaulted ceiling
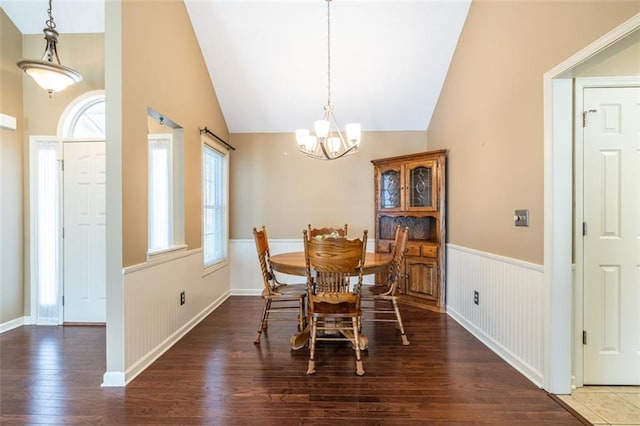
[{"x": 268, "y": 59}]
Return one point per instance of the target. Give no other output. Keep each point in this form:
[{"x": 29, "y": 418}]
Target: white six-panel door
[
  {"x": 611, "y": 198},
  {"x": 84, "y": 232}
]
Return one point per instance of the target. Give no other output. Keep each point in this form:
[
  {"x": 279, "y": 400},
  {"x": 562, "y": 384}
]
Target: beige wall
[
  {"x": 12, "y": 295},
  {"x": 275, "y": 185},
  {"x": 163, "y": 70},
  {"x": 490, "y": 115}
]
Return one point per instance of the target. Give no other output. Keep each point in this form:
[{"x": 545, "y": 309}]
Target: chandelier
[
  {"x": 51, "y": 76},
  {"x": 328, "y": 143}
]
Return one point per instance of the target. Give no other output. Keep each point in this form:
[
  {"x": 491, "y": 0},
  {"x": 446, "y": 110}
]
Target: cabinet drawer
[
  {"x": 429, "y": 251},
  {"x": 384, "y": 247},
  {"x": 413, "y": 250}
]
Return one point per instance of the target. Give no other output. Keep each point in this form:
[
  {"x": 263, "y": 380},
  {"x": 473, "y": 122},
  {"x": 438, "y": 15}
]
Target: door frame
[
  {"x": 558, "y": 212},
  {"x": 578, "y": 241}
]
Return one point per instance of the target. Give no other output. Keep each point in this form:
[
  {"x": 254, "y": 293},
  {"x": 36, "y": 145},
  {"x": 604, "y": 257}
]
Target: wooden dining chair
[
  {"x": 334, "y": 306},
  {"x": 315, "y": 232},
  {"x": 279, "y": 298},
  {"x": 380, "y": 302}
]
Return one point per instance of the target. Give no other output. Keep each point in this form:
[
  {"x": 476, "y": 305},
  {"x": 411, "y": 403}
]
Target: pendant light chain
[
  {"x": 50, "y": 23},
  {"x": 328, "y": 142},
  {"x": 328, "y": 52}
]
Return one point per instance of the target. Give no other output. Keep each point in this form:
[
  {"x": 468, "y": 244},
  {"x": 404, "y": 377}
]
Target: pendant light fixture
[
  {"x": 328, "y": 143},
  {"x": 48, "y": 72}
]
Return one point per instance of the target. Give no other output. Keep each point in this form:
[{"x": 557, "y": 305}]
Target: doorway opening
[{"x": 560, "y": 337}]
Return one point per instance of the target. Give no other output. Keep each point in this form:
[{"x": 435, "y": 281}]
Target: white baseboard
[
  {"x": 113, "y": 379},
  {"x": 15, "y": 323}
]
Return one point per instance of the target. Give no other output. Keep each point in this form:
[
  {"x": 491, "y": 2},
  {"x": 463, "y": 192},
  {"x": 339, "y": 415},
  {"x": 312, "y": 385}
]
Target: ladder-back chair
[
  {"x": 334, "y": 306},
  {"x": 279, "y": 298},
  {"x": 381, "y": 301}
]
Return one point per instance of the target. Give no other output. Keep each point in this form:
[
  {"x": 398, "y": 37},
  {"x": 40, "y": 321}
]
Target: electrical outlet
[
  {"x": 476, "y": 297},
  {"x": 182, "y": 298}
]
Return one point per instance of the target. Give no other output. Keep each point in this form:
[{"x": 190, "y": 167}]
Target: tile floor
[{"x": 606, "y": 405}]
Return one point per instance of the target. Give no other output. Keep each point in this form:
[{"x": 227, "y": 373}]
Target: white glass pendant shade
[
  {"x": 353, "y": 133},
  {"x": 333, "y": 143},
  {"x": 301, "y": 137},
  {"x": 322, "y": 128},
  {"x": 312, "y": 142},
  {"x": 51, "y": 77}
]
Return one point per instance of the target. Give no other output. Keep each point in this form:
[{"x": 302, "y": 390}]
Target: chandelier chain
[
  {"x": 50, "y": 23},
  {"x": 328, "y": 52}
]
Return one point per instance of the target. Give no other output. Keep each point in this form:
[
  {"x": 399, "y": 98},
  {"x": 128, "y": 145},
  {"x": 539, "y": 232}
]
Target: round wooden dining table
[{"x": 293, "y": 263}]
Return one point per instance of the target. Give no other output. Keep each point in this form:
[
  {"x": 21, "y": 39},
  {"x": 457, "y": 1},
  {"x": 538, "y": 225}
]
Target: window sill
[
  {"x": 210, "y": 269},
  {"x": 166, "y": 253}
]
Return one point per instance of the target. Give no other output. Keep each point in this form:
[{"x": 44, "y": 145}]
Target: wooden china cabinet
[{"x": 410, "y": 191}]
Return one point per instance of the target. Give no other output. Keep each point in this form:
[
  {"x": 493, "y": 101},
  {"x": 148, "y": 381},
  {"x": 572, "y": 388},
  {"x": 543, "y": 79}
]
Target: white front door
[
  {"x": 611, "y": 186},
  {"x": 84, "y": 232}
]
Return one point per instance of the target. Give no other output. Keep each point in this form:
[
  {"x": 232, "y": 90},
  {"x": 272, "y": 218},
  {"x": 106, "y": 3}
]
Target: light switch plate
[{"x": 521, "y": 217}]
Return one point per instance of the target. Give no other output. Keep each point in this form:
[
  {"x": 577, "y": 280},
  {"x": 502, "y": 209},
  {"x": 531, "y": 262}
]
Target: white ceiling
[{"x": 268, "y": 59}]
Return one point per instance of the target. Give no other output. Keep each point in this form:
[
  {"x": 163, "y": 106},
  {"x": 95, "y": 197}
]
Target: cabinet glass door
[
  {"x": 390, "y": 184},
  {"x": 421, "y": 193}
]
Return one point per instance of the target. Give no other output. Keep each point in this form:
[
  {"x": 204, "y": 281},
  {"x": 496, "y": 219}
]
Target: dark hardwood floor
[{"x": 216, "y": 375}]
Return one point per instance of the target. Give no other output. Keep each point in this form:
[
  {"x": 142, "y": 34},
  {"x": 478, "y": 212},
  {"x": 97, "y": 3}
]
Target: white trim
[
  {"x": 152, "y": 255},
  {"x": 113, "y": 379},
  {"x": 8, "y": 122},
  {"x": 170, "y": 256},
  {"x": 516, "y": 262},
  {"x": 14, "y": 323},
  {"x": 557, "y": 222},
  {"x": 139, "y": 366},
  {"x": 208, "y": 270},
  {"x": 76, "y": 107}
]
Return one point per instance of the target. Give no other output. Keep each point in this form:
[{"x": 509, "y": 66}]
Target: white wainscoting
[
  {"x": 508, "y": 318},
  {"x": 154, "y": 318},
  {"x": 246, "y": 278}
]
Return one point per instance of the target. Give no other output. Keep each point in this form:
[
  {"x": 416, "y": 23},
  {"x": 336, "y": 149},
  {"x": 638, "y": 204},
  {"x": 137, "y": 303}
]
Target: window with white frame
[
  {"x": 45, "y": 223},
  {"x": 215, "y": 209}
]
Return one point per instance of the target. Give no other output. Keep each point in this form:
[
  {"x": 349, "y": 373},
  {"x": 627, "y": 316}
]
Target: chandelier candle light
[
  {"x": 51, "y": 76},
  {"x": 328, "y": 143}
]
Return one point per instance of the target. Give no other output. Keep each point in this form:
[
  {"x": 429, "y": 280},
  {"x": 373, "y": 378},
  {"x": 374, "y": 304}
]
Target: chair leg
[
  {"x": 356, "y": 343},
  {"x": 263, "y": 321},
  {"x": 301, "y": 319},
  {"x": 405, "y": 341},
  {"x": 311, "y": 369}
]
